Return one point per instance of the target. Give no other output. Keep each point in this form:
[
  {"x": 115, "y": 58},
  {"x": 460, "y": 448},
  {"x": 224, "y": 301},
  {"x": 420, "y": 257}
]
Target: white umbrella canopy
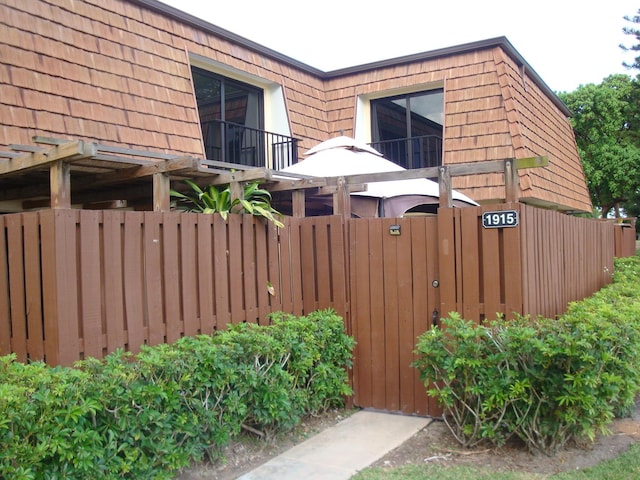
[{"x": 342, "y": 156}]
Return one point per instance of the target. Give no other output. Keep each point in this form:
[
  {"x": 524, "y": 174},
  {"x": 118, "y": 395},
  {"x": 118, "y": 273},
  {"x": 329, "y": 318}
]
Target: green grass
[
  {"x": 623, "y": 467},
  {"x": 439, "y": 472}
]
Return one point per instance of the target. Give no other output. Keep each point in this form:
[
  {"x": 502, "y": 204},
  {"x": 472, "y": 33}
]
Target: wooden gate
[{"x": 393, "y": 265}]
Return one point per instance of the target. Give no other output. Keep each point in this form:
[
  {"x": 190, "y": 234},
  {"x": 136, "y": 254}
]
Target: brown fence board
[
  {"x": 5, "y": 320},
  {"x": 90, "y": 284},
  {"x": 433, "y": 304},
  {"x": 470, "y": 263},
  {"x": 267, "y": 272},
  {"x": 268, "y": 262},
  {"x": 512, "y": 265},
  {"x": 338, "y": 250},
  {"x": 422, "y": 297},
  {"x": 153, "y": 292},
  {"x": 323, "y": 264},
  {"x": 406, "y": 339},
  {"x": 291, "y": 286},
  {"x": 188, "y": 275},
  {"x": 234, "y": 223},
  {"x": 447, "y": 264},
  {"x": 133, "y": 291},
  {"x": 49, "y": 291},
  {"x": 205, "y": 274},
  {"x": 16, "y": 280},
  {"x": 221, "y": 271},
  {"x": 66, "y": 283},
  {"x": 377, "y": 312},
  {"x": 390, "y": 296},
  {"x": 171, "y": 255},
  {"x": 283, "y": 288},
  {"x": 492, "y": 287},
  {"x": 361, "y": 318},
  {"x": 308, "y": 265},
  {"x": 250, "y": 239},
  {"x": 33, "y": 290},
  {"x": 277, "y": 274},
  {"x": 113, "y": 280}
]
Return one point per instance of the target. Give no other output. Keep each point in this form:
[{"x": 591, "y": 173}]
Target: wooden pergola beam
[
  {"x": 68, "y": 151},
  {"x": 137, "y": 172}
]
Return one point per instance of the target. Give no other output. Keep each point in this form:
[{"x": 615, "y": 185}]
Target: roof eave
[{"x": 501, "y": 42}]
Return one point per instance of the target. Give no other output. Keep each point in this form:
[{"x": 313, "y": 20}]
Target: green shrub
[
  {"x": 546, "y": 381},
  {"x": 149, "y": 415}
]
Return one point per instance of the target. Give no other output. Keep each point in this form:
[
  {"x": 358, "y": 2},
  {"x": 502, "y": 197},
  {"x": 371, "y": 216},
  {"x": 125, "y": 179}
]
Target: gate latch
[{"x": 434, "y": 318}]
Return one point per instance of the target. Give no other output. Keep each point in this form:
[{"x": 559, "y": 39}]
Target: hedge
[
  {"x": 547, "y": 381},
  {"x": 150, "y": 415}
]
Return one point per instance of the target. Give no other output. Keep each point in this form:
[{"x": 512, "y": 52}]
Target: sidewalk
[{"x": 341, "y": 451}]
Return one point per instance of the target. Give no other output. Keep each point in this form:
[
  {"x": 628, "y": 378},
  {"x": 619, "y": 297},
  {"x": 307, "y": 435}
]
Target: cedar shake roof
[{"x": 118, "y": 72}]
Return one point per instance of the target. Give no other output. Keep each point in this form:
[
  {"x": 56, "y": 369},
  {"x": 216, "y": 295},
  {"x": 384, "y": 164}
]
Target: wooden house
[{"x": 138, "y": 74}]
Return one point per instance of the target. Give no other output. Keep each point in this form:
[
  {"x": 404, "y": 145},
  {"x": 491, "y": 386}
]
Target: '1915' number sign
[{"x": 501, "y": 219}]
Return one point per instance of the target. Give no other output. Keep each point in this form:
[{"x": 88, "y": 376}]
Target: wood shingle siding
[{"x": 118, "y": 72}]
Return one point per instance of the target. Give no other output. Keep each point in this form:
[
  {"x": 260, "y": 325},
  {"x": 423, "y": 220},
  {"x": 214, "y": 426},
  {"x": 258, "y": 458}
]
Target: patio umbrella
[{"x": 342, "y": 156}]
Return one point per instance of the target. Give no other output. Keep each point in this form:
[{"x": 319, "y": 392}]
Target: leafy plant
[
  {"x": 546, "y": 381},
  {"x": 217, "y": 199},
  {"x": 148, "y": 415}
]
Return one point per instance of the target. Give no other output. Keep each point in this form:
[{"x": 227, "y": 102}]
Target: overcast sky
[{"x": 567, "y": 42}]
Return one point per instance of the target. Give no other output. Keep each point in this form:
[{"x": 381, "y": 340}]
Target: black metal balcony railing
[
  {"x": 233, "y": 143},
  {"x": 413, "y": 152}
]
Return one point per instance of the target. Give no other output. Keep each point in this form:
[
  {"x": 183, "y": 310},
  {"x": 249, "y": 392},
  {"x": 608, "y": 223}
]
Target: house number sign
[{"x": 500, "y": 219}]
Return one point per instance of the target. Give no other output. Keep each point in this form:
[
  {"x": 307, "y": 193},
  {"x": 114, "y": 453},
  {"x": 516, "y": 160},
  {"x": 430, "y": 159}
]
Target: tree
[
  {"x": 634, "y": 32},
  {"x": 603, "y": 121}
]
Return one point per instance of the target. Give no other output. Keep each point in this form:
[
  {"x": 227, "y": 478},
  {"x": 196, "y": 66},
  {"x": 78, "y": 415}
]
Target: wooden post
[
  {"x": 161, "y": 192},
  {"x": 342, "y": 199},
  {"x": 237, "y": 192},
  {"x": 298, "y": 203},
  {"x": 511, "y": 181},
  {"x": 60, "y": 183},
  {"x": 444, "y": 181}
]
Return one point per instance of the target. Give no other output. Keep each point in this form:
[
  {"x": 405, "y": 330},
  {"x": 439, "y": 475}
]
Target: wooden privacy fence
[
  {"x": 625, "y": 238},
  {"x": 78, "y": 283},
  {"x": 536, "y": 267},
  {"x": 408, "y": 273}
]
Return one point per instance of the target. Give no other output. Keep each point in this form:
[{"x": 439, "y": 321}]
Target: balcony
[
  {"x": 233, "y": 143},
  {"x": 412, "y": 152}
]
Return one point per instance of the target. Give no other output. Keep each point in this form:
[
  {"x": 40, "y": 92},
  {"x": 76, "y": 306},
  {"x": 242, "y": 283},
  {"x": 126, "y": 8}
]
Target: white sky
[{"x": 567, "y": 42}]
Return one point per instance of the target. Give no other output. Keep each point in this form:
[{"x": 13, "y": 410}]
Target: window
[
  {"x": 407, "y": 128},
  {"x": 231, "y": 117}
]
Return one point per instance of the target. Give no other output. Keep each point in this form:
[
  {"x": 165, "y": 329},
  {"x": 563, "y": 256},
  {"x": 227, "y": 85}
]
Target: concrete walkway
[{"x": 339, "y": 452}]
